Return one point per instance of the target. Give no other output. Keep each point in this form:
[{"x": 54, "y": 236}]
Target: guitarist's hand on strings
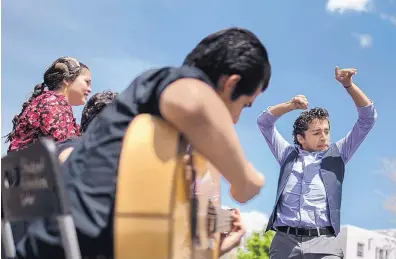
[{"x": 233, "y": 239}]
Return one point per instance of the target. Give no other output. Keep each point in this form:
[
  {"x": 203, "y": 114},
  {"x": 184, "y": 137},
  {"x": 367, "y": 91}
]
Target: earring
[{"x": 65, "y": 91}]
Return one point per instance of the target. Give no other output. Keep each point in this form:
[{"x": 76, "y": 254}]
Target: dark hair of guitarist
[{"x": 202, "y": 99}]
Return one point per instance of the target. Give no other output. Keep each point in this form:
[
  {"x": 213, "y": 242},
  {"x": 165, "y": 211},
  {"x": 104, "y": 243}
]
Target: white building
[{"x": 359, "y": 243}]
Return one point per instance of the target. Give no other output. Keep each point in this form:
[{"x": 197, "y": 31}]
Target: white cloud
[
  {"x": 390, "y": 204},
  {"x": 379, "y": 193},
  {"x": 389, "y": 18},
  {"x": 233, "y": 254},
  {"x": 254, "y": 221},
  {"x": 348, "y": 5},
  {"x": 365, "y": 40},
  {"x": 342, "y": 6},
  {"x": 389, "y": 169}
]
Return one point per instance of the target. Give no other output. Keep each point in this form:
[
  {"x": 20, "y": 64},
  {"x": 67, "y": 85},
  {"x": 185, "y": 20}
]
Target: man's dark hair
[
  {"x": 306, "y": 117},
  {"x": 94, "y": 106},
  {"x": 233, "y": 51}
]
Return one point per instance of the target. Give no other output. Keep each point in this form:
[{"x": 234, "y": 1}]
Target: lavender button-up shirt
[{"x": 303, "y": 202}]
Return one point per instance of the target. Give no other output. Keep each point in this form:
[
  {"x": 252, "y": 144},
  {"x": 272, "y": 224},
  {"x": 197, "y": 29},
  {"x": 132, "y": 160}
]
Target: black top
[
  {"x": 91, "y": 169},
  {"x": 70, "y": 142}
]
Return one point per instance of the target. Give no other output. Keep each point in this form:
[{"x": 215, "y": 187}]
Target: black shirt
[
  {"x": 65, "y": 144},
  {"x": 91, "y": 169}
]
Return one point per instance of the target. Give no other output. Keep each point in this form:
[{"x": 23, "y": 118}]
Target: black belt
[{"x": 305, "y": 231}]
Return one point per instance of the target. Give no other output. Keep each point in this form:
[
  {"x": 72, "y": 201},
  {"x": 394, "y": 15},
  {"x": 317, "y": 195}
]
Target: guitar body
[{"x": 153, "y": 213}]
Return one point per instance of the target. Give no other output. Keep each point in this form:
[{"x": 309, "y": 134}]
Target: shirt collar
[{"x": 305, "y": 152}]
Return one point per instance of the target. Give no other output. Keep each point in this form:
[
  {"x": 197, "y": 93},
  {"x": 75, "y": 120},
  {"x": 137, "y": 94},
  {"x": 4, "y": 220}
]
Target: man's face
[
  {"x": 317, "y": 137},
  {"x": 235, "y": 107}
]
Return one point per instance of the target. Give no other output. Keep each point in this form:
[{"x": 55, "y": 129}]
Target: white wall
[
  {"x": 349, "y": 238},
  {"x": 372, "y": 241}
]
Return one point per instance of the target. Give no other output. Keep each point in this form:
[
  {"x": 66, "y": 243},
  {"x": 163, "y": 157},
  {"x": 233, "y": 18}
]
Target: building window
[
  {"x": 360, "y": 250},
  {"x": 380, "y": 253},
  {"x": 369, "y": 243}
]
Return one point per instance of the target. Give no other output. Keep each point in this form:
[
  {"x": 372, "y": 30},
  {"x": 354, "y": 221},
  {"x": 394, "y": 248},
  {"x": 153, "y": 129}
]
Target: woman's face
[{"x": 79, "y": 89}]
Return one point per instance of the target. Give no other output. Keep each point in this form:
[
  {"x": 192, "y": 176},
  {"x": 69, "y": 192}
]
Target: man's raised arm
[
  {"x": 266, "y": 123},
  {"x": 366, "y": 112}
]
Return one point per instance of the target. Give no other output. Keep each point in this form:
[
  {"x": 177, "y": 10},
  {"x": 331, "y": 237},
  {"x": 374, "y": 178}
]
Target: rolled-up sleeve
[
  {"x": 348, "y": 145},
  {"x": 277, "y": 144}
]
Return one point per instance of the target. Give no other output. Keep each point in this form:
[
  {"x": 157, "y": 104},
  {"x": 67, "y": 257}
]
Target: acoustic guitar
[{"x": 159, "y": 211}]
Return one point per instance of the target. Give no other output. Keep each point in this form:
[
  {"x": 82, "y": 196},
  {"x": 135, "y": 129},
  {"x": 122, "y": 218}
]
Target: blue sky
[{"x": 120, "y": 39}]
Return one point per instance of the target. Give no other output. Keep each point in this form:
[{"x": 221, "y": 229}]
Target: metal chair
[{"x": 33, "y": 187}]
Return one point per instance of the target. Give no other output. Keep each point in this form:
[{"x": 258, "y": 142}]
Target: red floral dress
[{"x": 48, "y": 115}]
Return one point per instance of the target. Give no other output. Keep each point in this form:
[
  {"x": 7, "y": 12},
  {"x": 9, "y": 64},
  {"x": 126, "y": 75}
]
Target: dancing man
[{"x": 306, "y": 216}]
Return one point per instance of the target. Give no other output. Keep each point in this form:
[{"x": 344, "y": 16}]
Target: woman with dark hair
[
  {"x": 48, "y": 112},
  {"x": 92, "y": 108}
]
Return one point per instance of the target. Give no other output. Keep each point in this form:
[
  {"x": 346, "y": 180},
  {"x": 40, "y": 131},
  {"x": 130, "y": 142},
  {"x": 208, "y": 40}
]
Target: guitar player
[{"x": 220, "y": 77}]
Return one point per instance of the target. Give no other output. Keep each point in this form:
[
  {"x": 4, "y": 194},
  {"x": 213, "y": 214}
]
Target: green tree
[{"x": 256, "y": 246}]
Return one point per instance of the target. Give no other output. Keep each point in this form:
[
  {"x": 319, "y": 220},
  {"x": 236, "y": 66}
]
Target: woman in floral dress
[{"x": 48, "y": 112}]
